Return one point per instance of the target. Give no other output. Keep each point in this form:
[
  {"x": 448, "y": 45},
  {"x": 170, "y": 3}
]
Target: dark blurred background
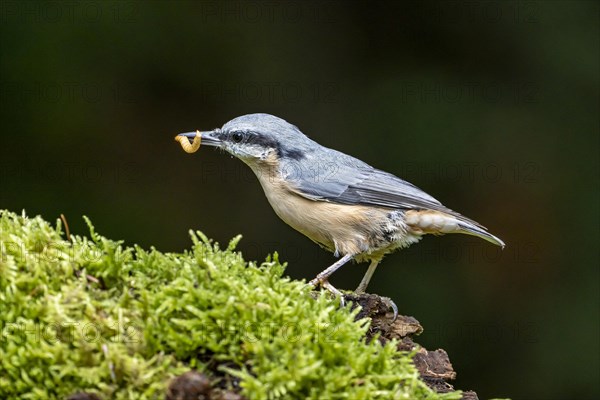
[{"x": 491, "y": 106}]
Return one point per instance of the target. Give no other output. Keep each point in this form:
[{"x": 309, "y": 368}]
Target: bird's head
[{"x": 256, "y": 138}]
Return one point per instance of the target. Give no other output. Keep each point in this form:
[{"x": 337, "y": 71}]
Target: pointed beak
[{"x": 208, "y": 138}]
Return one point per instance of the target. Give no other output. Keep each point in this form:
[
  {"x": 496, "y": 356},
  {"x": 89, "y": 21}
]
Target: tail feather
[
  {"x": 439, "y": 223},
  {"x": 479, "y": 231}
]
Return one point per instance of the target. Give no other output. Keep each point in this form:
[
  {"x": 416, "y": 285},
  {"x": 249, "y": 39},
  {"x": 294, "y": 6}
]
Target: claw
[{"x": 390, "y": 303}]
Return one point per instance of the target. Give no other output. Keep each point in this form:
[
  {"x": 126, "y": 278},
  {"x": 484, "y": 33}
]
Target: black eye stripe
[{"x": 265, "y": 141}]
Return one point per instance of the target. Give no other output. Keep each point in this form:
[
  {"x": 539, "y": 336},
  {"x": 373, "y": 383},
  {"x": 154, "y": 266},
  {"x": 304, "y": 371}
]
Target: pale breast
[{"x": 346, "y": 229}]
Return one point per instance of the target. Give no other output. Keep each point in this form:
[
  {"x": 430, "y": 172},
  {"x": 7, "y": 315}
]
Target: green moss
[{"x": 95, "y": 315}]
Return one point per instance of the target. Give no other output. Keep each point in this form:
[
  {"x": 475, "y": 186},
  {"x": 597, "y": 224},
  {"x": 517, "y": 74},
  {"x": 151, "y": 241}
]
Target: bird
[{"x": 346, "y": 206}]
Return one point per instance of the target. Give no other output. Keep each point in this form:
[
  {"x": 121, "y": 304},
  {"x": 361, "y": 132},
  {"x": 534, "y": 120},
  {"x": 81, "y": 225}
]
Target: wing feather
[{"x": 348, "y": 180}]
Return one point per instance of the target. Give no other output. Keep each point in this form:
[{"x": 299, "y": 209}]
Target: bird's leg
[
  {"x": 365, "y": 282},
  {"x": 367, "y": 278},
  {"x": 323, "y": 276}
]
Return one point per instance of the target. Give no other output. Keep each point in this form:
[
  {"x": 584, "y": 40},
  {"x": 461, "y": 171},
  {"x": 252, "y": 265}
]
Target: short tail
[
  {"x": 439, "y": 223},
  {"x": 479, "y": 231}
]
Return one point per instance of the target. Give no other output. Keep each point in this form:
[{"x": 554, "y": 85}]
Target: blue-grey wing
[{"x": 347, "y": 180}]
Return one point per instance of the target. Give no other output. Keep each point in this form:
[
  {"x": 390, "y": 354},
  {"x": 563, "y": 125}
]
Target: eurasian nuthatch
[{"x": 341, "y": 203}]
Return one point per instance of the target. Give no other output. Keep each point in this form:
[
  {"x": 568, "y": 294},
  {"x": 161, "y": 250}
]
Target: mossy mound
[{"x": 120, "y": 322}]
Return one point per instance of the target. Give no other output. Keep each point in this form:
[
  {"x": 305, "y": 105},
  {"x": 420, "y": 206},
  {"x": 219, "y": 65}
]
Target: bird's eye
[{"x": 237, "y": 137}]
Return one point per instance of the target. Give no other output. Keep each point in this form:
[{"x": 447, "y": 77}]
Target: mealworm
[{"x": 187, "y": 146}]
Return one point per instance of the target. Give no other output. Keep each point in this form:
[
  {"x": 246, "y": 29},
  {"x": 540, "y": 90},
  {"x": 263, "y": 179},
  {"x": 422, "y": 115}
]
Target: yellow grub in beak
[{"x": 186, "y": 145}]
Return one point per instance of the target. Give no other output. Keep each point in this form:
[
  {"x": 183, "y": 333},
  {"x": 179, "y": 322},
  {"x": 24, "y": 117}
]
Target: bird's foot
[
  {"x": 375, "y": 306},
  {"x": 390, "y": 303},
  {"x": 386, "y": 300},
  {"x": 316, "y": 282},
  {"x": 324, "y": 283}
]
